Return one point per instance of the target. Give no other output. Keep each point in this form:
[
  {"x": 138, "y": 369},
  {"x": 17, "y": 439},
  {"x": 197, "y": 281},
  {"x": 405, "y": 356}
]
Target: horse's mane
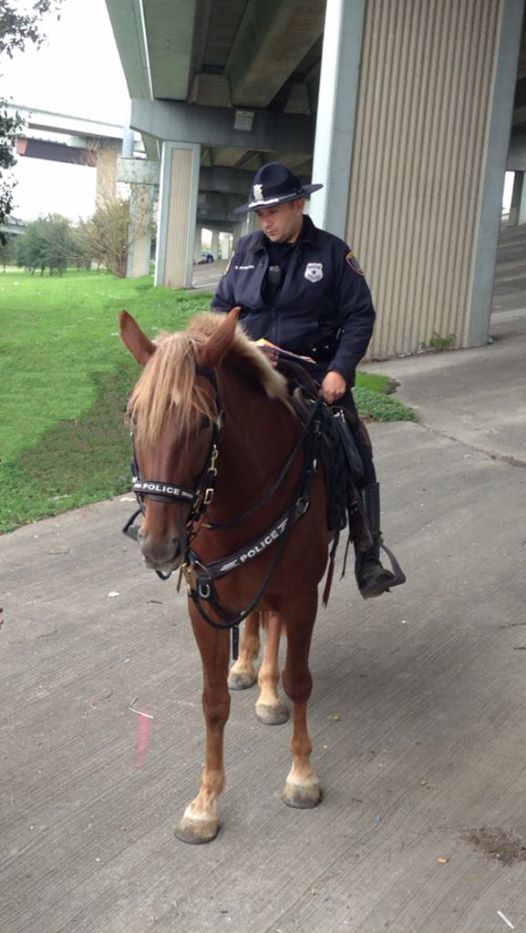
[{"x": 169, "y": 377}]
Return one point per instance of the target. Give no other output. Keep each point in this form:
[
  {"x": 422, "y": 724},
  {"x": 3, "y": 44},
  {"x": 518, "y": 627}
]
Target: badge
[
  {"x": 352, "y": 261},
  {"x": 257, "y": 192},
  {"x": 314, "y": 271}
]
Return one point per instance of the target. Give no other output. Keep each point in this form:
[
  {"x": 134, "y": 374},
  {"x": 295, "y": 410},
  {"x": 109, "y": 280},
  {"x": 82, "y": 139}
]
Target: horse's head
[{"x": 174, "y": 409}]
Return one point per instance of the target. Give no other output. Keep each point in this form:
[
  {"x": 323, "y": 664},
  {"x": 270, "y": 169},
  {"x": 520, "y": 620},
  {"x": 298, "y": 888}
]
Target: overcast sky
[{"x": 76, "y": 72}]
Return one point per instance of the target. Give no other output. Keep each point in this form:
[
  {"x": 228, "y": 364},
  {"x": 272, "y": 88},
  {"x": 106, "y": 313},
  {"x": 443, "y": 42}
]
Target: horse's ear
[
  {"x": 134, "y": 339},
  {"x": 217, "y": 346}
]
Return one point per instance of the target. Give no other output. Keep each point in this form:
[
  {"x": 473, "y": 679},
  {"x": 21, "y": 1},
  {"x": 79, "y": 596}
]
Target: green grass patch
[
  {"x": 375, "y": 383},
  {"x": 374, "y": 399},
  {"x": 65, "y": 379},
  {"x": 374, "y": 406}
]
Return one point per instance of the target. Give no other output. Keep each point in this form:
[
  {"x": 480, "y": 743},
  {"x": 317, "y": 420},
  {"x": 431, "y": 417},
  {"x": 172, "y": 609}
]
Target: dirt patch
[{"x": 506, "y": 848}]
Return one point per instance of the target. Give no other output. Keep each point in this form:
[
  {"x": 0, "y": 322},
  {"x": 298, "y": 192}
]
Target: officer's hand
[
  {"x": 271, "y": 353},
  {"x": 332, "y": 387}
]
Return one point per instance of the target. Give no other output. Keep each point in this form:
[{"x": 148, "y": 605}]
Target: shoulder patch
[{"x": 352, "y": 261}]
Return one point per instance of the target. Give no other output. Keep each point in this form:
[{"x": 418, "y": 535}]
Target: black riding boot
[{"x": 372, "y": 578}]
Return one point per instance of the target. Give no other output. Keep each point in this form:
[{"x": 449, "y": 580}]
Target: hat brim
[{"x": 304, "y": 192}]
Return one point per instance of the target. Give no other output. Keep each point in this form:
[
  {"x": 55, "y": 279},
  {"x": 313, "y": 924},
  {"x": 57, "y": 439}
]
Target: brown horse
[{"x": 231, "y": 494}]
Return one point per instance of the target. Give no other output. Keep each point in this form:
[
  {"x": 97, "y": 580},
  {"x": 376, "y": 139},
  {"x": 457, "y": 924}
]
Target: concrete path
[{"x": 417, "y": 715}]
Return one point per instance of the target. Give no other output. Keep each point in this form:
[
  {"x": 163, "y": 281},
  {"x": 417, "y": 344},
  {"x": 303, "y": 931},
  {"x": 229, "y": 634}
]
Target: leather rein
[{"x": 200, "y": 577}]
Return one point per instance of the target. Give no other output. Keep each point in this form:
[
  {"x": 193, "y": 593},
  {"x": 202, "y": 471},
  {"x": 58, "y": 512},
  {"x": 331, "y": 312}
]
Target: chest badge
[{"x": 314, "y": 271}]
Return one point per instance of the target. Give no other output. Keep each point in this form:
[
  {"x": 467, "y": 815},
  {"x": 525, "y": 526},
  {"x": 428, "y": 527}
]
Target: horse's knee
[
  {"x": 297, "y": 688},
  {"x": 216, "y": 709}
]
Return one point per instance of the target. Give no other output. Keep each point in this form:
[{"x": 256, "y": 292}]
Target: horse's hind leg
[
  {"x": 243, "y": 671},
  {"x": 200, "y": 822},
  {"x": 270, "y": 708},
  {"x": 302, "y": 788}
]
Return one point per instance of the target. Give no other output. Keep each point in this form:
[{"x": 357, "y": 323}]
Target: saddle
[{"x": 339, "y": 455}]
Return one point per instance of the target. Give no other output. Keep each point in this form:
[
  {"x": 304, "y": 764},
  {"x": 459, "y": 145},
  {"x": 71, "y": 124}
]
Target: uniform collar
[{"x": 308, "y": 234}]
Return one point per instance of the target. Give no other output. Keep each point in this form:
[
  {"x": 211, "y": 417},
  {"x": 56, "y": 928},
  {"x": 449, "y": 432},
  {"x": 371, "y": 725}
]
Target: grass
[
  {"x": 65, "y": 378},
  {"x": 372, "y": 394}
]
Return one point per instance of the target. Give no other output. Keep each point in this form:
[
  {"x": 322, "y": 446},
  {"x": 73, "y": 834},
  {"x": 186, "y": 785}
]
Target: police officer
[{"x": 302, "y": 289}]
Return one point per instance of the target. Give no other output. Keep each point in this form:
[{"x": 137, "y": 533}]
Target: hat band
[{"x": 264, "y": 202}]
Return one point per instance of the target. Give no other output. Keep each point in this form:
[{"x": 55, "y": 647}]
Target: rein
[{"x": 200, "y": 577}]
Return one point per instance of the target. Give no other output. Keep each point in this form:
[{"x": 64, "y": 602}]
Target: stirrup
[{"x": 385, "y": 579}]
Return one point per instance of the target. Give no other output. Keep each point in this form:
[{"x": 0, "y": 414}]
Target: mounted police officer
[{"x": 303, "y": 290}]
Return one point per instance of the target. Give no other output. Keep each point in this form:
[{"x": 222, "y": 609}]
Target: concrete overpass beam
[
  {"x": 177, "y": 214},
  {"x": 265, "y": 130},
  {"x": 138, "y": 171},
  {"x": 225, "y": 180},
  {"x": 271, "y": 41}
]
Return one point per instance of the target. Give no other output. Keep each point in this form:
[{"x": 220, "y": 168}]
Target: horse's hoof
[
  {"x": 196, "y": 832},
  {"x": 272, "y": 715},
  {"x": 302, "y": 796},
  {"x": 241, "y": 680}
]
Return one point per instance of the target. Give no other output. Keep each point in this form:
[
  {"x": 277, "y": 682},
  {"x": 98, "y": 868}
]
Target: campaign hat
[{"x": 273, "y": 184}]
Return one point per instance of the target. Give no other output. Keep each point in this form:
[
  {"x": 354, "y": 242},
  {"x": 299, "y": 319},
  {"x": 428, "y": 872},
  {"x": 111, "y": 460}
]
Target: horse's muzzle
[{"x": 163, "y": 556}]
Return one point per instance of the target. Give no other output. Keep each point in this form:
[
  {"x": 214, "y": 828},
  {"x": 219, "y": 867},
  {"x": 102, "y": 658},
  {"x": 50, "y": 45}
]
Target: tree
[
  {"x": 104, "y": 236},
  {"x": 17, "y": 29},
  {"x": 8, "y": 250},
  {"x": 48, "y": 243}
]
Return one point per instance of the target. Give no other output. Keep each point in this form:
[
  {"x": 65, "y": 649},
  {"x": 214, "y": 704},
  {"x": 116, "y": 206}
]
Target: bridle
[
  {"x": 200, "y": 578},
  {"x": 198, "y": 497}
]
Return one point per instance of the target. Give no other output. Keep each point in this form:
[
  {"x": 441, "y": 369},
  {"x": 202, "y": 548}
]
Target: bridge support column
[
  {"x": 106, "y": 175},
  {"x": 340, "y": 68},
  {"x": 197, "y": 242},
  {"x": 143, "y": 179},
  {"x": 140, "y": 231},
  {"x": 177, "y": 214},
  {"x": 518, "y": 201},
  {"x": 430, "y": 265}
]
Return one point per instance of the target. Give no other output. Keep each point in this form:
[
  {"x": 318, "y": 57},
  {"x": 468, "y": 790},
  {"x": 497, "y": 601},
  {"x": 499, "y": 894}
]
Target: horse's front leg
[
  {"x": 270, "y": 708},
  {"x": 243, "y": 671},
  {"x": 302, "y": 788},
  {"x": 200, "y": 822}
]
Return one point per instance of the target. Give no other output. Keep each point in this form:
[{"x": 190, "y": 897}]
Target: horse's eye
[{"x": 204, "y": 423}]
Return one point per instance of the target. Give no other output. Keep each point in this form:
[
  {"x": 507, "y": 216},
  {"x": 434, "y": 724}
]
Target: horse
[{"x": 234, "y": 497}]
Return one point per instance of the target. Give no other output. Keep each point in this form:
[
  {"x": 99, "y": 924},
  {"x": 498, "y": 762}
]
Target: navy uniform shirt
[{"x": 323, "y": 307}]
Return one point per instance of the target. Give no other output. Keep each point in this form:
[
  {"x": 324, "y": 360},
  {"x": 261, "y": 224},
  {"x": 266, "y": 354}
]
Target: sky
[{"x": 76, "y": 72}]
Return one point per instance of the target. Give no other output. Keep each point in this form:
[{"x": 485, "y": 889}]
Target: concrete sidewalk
[
  {"x": 417, "y": 714},
  {"x": 476, "y": 397}
]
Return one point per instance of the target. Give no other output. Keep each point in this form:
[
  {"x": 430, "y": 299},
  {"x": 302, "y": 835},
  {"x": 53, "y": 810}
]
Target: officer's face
[{"x": 282, "y": 223}]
